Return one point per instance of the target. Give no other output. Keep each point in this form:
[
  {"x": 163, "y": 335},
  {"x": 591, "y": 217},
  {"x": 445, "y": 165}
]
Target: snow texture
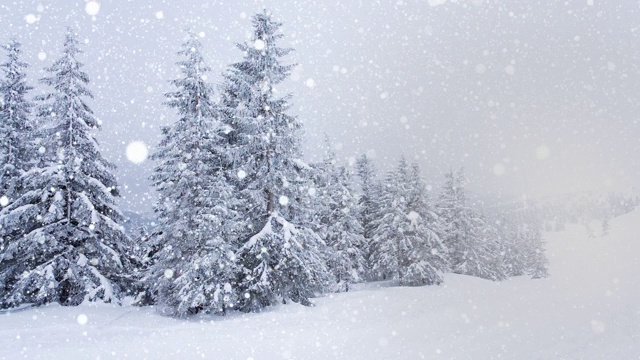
[{"x": 580, "y": 312}]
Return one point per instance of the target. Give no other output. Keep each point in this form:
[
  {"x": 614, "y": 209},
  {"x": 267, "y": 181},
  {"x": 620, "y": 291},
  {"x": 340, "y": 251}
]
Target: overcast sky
[{"x": 532, "y": 97}]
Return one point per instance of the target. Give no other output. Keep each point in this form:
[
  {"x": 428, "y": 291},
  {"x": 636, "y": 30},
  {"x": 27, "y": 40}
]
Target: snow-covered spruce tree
[
  {"x": 337, "y": 222},
  {"x": 522, "y": 243},
  {"x": 470, "y": 250},
  {"x": 194, "y": 267},
  {"x": 66, "y": 241},
  {"x": 280, "y": 254},
  {"x": 15, "y": 126},
  {"x": 537, "y": 260},
  {"x": 404, "y": 245},
  {"x": 491, "y": 235},
  {"x": 514, "y": 246},
  {"x": 428, "y": 255},
  {"x": 15, "y": 146},
  {"x": 526, "y": 247},
  {"x": 368, "y": 202}
]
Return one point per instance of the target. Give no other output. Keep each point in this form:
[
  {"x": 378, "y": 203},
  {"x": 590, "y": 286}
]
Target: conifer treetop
[{"x": 15, "y": 110}]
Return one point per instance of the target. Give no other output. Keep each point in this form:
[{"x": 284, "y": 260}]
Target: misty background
[{"x": 532, "y": 98}]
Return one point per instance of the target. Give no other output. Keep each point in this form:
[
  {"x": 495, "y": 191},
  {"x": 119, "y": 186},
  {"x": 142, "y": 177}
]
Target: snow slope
[{"x": 588, "y": 309}]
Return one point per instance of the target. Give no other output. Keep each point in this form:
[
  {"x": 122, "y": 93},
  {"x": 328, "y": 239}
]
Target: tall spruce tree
[
  {"x": 337, "y": 222},
  {"x": 368, "y": 202},
  {"x": 194, "y": 267},
  {"x": 15, "y": 122},
  {"x": 280, "y": 254},
  {"x": 66, "y": 242},
  {"x": 471, "y": 250},
  {"x": 15, "y": 146}
]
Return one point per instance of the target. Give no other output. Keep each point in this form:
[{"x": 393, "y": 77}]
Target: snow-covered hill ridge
[{"x": 589, "y": 308}]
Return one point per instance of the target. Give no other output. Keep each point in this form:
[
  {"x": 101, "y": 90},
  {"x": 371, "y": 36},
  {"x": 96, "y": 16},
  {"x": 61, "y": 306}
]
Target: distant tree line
[
  {"x": 242, "y": 222},
  {"x": 585, "y": 209}
]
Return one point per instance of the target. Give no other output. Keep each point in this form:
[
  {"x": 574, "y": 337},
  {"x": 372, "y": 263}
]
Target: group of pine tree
[{"x": 242, "y": 221}]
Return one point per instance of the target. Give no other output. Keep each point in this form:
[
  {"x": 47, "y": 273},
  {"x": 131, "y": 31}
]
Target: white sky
[{"x": 491, "y": 85}]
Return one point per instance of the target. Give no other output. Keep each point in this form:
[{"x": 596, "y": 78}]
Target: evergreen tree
[
  {"x": 530, "y": 228},
  {"x": 280, "y": 255},
  {"x": 66, "y": 244},
  {"x": 15, "y": 129},
  {"x": 473, "y": 250},
  {"x": 194, "y": 267},
  {"x": 281, "y": 262},
  {"x": 337, "y": 222},
  {"x": 15, "y": 132},
  {"x": 425, "y": 232},
  {"x": 513, "y": 250},
  {"x": 605, "y": 225},
  {"x": 493, "y": 241},
  {"x": 537, "y": 264},
  {"x": 405, "y": 246},
  {"x": 387, "y": 238},
  {"x": 368, "y": 202}
]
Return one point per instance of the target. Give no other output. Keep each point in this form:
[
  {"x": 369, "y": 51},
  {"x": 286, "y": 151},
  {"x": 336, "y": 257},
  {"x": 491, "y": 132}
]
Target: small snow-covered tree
[
  {"x": 281, "y": 262},
  {"x": 538, "y": 263},
  {"x": 194, "y": 266},
  {"x": 270, "y": 177},
  {"x": 337, "y": 222},
  {"x": 512, "y": 249},
  {"x": 66, "y": 244},
  {"x": 405, "y": 243},
  {"x": 526, "y": 246},
  {"x": 15, "y": 124},
  {"x": 472, "y": 249},
  {"x": 428, "y": 255}
]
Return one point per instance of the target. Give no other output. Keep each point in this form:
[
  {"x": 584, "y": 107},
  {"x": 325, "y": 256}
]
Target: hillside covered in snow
[{"x": 588, "y": 308}]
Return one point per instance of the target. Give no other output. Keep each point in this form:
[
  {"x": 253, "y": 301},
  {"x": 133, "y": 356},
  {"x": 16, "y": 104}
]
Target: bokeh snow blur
[{"x": 531, "y": 97}]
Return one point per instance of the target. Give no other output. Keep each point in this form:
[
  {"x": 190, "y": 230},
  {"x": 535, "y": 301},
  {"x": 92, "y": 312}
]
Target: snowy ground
[{"x": 588, "y": 309}]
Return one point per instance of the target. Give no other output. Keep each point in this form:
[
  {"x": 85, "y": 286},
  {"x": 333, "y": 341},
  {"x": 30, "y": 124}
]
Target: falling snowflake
[
  {"x": 92, "y": 8},
  {"x": 31, "y": 18},
  {"x": 259, "y": 44},
  {"x": 82, "y": 319},
  {"x": 436, "y": 2},
  {"x": 168, "y": 273},
  {"x": 542, "y": 152},
  {"x": 510, "y": 70},
  {"x": 137, "y": 152},
  {"x": 310, "y": 83}
]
